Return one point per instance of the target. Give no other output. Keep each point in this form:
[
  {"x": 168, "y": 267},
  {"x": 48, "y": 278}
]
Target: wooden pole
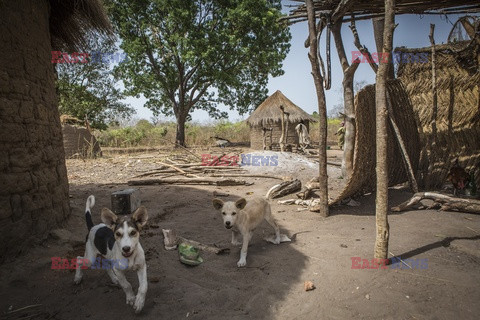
[
  {"x": 381, "y": 206},
  {"x": 403, "y": 148},
  {"x": 378, "y": 33},
  {"x": 433, "y": 137},
  {"x": 271, "y": 139},
  {"x": 264, "y": 130},
  {"x": 287, "y": 120},
  {"x": 282, "y": 145},
  {"x": 322, "y": 108}
]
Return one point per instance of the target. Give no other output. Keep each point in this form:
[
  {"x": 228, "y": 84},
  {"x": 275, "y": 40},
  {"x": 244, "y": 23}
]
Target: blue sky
[{"x": 297, "y": 82}]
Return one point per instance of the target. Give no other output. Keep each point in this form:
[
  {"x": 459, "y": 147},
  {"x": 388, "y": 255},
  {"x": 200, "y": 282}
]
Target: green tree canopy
[
  {"x": 89, "y": 89},
  {"x": 187, "y": 55}
]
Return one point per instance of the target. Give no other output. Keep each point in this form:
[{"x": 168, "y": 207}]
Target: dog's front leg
[
  {"x": 243, "y": 253},
  {"x": 236, "y": 238},
  {"x": 142, "y": 289},
  {"x": 126, "y": 286}
]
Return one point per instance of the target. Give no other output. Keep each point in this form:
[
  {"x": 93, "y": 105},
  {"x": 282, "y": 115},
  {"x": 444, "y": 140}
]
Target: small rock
[
  {"x": 154, "y": 279},
  {"x": 408, "y": 297},
  {"x": 343, "y": 245},
  {"x": 308, "y": 285},
  {"x": 367, "y": 296}
]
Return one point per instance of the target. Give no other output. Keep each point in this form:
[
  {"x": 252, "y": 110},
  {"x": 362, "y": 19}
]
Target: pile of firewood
[{"x": 221, "y": 170}]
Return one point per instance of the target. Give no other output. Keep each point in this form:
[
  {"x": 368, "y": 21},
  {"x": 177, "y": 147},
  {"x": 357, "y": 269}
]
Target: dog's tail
[{"x": 88, "y": 214}]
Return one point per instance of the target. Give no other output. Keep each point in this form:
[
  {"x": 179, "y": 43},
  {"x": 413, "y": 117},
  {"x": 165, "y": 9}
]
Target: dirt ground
[{"x": 272, "y": 284}]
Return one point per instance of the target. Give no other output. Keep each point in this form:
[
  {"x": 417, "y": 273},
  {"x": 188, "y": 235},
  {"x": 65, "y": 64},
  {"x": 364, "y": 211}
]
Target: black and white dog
[{"x": 117, "y": 240}]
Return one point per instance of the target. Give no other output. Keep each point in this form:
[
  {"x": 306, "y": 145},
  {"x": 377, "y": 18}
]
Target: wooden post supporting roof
[
  {"x": 381, "y": 206},
  {"x": 322, "y": 207}
]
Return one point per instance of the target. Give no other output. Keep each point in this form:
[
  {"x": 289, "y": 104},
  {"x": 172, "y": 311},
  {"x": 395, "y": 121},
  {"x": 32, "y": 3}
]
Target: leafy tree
[
  {"x": 88, "y": 89},
  {"x": 188, "y": 55}
]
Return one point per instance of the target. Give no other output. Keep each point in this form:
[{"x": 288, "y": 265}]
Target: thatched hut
[
  {"x": 455, "y": 130},
  {"x": 268, "y": 116},
  {"x": 34, "y": 189}
]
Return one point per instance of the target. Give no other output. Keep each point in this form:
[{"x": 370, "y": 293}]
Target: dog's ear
[
  {"x": 217, "y": 203},
  {"x": 241, "y": 203},
  {"x": 108, "y": 217},
  {"x": 140, "y": 217}
]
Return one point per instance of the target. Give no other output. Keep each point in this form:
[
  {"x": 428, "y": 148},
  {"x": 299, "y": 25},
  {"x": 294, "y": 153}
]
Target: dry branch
[
  {"x": 363, "y": 49},
  {"x": 309, "y": 187},
  {"x": 403, "y": 148},
  {"x": 178, "y": 169},
  {"x": 220, "y": 194},
  {"x": 283, "y": 189},
  {"x": 245, "y": 175},
  {"x": 224, "y": 168},
  {"x": 185, "y": 165},
  {"x": 193, "y": 181},
  {"x": 447, "y": 203}
]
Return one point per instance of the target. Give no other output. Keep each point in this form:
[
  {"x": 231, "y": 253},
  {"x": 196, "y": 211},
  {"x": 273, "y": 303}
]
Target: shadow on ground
[
  {"x": 367, "y": 204},
  {"x": 216, "y": 289}
]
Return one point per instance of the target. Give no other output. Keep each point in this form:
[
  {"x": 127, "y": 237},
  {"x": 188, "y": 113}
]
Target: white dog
[
  {"x": 117, "y": 240},
  {"x": 243, "y": 217}
]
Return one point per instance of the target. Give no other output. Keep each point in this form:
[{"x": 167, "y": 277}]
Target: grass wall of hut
[{"x": 458, "y": 111}]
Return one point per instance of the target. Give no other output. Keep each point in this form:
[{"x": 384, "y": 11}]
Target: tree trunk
[
  {"x": 378, "y": 33},
  {"x": 349, "y": 144},
  {"x": 322, "y": 109},
  {"x": 180, "y": 137},
  {"x": 381, "y": 207},
  {"x": 348, "y": 102}
]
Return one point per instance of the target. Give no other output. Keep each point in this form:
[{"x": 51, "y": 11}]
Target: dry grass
[{"x": 145, "y": 134}]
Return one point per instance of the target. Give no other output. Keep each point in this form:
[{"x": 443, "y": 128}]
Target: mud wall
[{"x": 33, "y": 176}]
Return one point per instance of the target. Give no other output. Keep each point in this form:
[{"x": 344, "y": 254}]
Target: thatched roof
[
  {"x": 269, "y": 111},
  {"x": 71, "y": 21},
  {"x": 464, "y": 53},
  {"x": 367, "y": 9}
]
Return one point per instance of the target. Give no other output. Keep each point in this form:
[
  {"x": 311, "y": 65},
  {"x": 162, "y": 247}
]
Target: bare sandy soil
[{"x": 271, "y": 286}]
